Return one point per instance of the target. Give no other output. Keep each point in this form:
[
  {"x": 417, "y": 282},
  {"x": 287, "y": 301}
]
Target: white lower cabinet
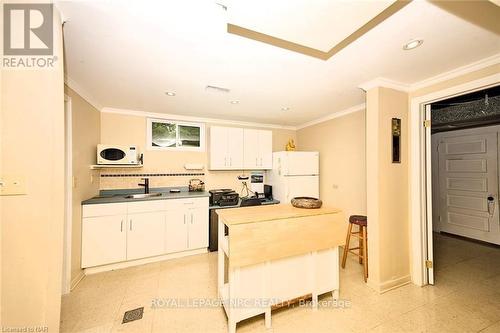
[
  {"x": 104, "y": 240},
  {"x": 197, "y": 228},
  {"x": 114, "y": 233},
  {"x": 176, "y": 231},
  {"x": 145, "y": 235}
]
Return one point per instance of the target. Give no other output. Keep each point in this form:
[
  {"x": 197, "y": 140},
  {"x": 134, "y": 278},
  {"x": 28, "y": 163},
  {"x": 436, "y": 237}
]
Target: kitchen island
[{"x": 273, "y": 254}]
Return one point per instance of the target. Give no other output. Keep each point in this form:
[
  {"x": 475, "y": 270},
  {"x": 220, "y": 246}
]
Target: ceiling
[{"x": 127, "y": 54}]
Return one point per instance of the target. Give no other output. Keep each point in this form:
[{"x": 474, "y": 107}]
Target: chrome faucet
[{"x": 145, "y": 184}]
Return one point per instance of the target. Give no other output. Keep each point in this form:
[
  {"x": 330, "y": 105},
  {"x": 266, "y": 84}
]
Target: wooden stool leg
[
  {"x": 365, "y": 253},
  {"x": 360, "y": 244},
  {"x": 346, "y": 246}
]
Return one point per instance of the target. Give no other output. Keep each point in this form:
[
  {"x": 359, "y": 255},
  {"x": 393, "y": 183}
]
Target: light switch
[{"x": 12, "y": 185}]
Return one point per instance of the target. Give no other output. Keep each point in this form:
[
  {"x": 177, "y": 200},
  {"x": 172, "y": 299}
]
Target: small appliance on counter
[
  {"x": 268, "y": 192},
  {"x": 257, "y": 184},
  {"x": 223, "y": 197},
  {"x": 196, "y": 185}
]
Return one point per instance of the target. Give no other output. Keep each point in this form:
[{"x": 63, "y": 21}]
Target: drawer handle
[
  {"x": 130, "y": 224},
  {"x": 189, "y": 203},
  {"x": 121, "y": 226}
]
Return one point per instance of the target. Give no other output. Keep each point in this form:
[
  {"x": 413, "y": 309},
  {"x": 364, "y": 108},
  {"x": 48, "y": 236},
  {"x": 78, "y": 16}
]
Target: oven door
[{"x": 112, "y": 155}]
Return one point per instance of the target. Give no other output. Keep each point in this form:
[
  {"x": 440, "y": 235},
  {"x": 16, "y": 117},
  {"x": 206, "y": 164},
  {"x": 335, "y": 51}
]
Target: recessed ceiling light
[
  {"x": 170, "y": 93},
  {"x": 412, "y": 44},
  {"x": 285, "y": 109},
  {"x": 234, "y": 102}
]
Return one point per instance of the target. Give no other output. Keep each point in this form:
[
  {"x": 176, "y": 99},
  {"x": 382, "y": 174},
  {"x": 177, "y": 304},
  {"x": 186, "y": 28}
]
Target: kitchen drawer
[
  {"x": 146, "y": 206},
  {"x": 186, "y": 203},
  {"x": 104, "y": 209}
]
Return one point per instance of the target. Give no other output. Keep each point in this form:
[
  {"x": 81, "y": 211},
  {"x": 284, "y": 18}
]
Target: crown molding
[
  {"x": 194, "y": 119},
  {"x": 82, "y": 92},
  {"x": 345, "y": 112},
  {"x": 386, "y": 83},
  {"x": 472, "y": 67}
]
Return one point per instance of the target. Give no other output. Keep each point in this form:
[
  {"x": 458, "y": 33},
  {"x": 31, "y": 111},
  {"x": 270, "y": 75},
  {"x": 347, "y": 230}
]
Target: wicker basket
[{"x": 306, "y": 202}]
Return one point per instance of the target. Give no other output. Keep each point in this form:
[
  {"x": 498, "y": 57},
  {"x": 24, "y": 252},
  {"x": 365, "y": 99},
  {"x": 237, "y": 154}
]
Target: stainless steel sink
[{"x": 143, "y": 196}]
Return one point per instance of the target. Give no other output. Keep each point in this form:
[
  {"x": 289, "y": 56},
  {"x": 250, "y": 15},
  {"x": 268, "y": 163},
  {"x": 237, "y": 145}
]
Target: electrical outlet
[{"x": 12, "y": 185}]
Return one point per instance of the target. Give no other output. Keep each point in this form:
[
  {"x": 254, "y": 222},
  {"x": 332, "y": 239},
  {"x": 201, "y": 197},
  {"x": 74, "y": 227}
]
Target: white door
[
  {"x": 302, "y": 163},
  {"x": 266, "y": 149},
  {"x": 198, "y": 227},
  {"x": 468, "y": 181},
  {"x": 301, "y": 186},
  {"x": 145, "y": 235},
  {"x": 176, "y": 234},
  {"x": 104, "y": 240},
  {"x": 251, "y": 149},
  {"x": 218, "y": 148},
  {"x": 234, "y": 142}
]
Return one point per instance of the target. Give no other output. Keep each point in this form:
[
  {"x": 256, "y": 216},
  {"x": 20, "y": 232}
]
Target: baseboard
[
  {"x": 76, "y": 280},
  {"x": 390, "y": 284},
  {"x": 125, "y": 264}
]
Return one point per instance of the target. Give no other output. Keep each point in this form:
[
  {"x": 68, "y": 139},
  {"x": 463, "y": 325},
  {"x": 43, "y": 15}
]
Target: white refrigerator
[{"x": 294, "y": 174}]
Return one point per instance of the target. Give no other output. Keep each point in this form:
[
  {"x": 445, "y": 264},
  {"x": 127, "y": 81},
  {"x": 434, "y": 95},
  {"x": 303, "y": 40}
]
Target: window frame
[{"x": 149, "y": 134}]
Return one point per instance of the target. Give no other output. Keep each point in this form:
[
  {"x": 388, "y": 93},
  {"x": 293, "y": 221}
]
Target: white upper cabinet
[
  {"x": 238, "y": 149},
  {"x": 258, "y": 149},
  {"x": 226, "y": 148}
]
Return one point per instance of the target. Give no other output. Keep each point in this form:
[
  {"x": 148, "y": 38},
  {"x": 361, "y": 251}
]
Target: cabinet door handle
[
  {"x": 230, "y": 161},
  {"x": 121, "y": 226},
  {"x": 225, "y": 161},
  {"x": 261, "y": 161},
  {"x": 191, "y": 218},
  {"x": 130, "y": 224},
  {"x": 184, "y": 218}
]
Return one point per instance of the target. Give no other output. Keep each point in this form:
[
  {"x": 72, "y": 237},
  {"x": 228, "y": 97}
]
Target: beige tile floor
[{"x": 466, "y": 298}]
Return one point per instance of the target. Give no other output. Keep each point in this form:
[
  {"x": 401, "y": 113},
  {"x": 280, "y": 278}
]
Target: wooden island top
[{"x": 253, "y": 214}]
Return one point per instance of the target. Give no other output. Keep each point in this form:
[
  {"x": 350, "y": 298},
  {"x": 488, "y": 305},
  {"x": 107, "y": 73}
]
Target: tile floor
[{"x": 466, "y": 298}]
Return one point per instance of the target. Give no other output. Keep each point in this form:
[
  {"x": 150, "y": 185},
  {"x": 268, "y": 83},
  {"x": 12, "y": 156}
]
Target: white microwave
[{"x": 116, "y": 154}]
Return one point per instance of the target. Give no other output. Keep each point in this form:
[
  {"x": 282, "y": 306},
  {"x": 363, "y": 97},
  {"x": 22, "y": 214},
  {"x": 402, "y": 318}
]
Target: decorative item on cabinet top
[{"x": 290, "y": 146}]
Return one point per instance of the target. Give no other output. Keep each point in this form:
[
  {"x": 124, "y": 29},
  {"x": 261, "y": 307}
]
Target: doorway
[
  {"x": 463, "y": 210},
  {"x": 68, "y": 199}
]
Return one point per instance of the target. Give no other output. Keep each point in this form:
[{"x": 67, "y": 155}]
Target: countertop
[
  {"x": 263, "y": 203},
  {"x": 255, "y": 214},
  {"x": 116, "y": 196}
]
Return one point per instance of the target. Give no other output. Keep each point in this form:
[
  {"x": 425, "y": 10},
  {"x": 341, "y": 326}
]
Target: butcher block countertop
[
  {"x": 254, "y": 214},
  {"x": 261, "y": 233}
]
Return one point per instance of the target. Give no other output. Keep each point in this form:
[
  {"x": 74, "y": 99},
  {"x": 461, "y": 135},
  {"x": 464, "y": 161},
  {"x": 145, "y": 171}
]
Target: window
[{"x": 175, "y": 135}]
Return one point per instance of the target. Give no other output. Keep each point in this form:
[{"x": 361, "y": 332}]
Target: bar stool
[{"x": 361, "y": 221}]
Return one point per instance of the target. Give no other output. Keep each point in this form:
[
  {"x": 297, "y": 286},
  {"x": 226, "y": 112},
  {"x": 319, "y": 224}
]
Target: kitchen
[{"x": 210, "y": 166}]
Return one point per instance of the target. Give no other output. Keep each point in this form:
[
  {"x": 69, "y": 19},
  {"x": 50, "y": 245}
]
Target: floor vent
[{"x": 132, "y": 315}]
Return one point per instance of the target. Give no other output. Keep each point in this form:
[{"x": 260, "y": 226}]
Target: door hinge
[
  {"x": 428, "y": 264},
  {"x": 427, "y": 123}
]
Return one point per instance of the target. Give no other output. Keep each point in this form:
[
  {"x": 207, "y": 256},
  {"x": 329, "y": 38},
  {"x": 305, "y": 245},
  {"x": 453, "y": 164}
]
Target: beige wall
[
  {"x": 341, "y": 143},
  {"x": 86, "y": 132},
  {"x": 387, "y": 190},
  {"x": 129, "y": 129},
  {"x": 32, "y": 138}
]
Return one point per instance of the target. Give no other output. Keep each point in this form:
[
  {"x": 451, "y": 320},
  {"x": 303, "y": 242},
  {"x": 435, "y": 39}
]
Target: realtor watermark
[
  {"x": 28, "y": 36},
  {"x": 168, "y": 303}
]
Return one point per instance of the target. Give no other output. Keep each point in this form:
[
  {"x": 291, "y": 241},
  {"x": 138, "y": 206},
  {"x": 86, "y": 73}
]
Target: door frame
[
  {"x": 68, "y": 194},
  {"x": 419, "y": 160}
]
